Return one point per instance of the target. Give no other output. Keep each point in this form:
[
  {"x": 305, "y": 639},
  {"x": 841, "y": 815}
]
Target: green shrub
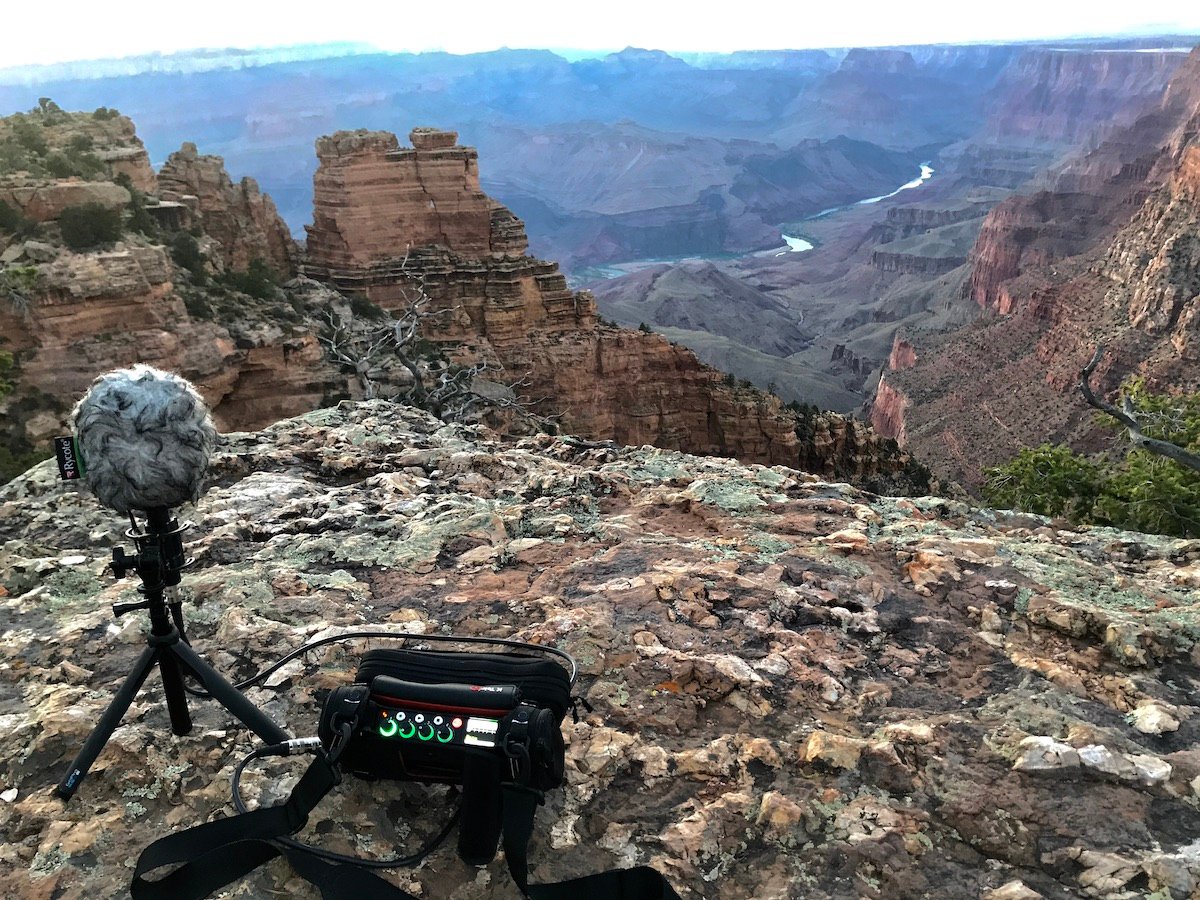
[
  {"x": 185, "y": 250},
  {"x": 89, "y": 225},
  {"x": 1142, "y": 492},
  {"x": 29, "y": 136},
  {"x": 6, "y": 368},
  {"x": 12, "y": 221},
  {"x": 364, "y": 308},
  {"x": 139, "y": 219},
  {"x": 644, "y": 328},
  {"x": 258, "y": 280},
  {"x": 1047, "y": 480},
  {"x": 59, "y": 166}
]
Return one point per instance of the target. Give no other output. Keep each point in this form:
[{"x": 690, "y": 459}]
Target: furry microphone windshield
[{"x": 146, "y": 437}]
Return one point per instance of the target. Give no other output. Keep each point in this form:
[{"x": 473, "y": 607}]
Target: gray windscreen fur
[{"x": 146, "y": 438}]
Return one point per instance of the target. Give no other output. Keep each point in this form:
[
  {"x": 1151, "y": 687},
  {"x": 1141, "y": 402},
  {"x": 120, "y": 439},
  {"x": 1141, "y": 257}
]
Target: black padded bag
[{"x": 542, "y": 681}]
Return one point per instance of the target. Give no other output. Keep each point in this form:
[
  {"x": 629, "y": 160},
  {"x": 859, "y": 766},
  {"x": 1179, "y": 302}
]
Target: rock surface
[{"x": 799, "y": 689}]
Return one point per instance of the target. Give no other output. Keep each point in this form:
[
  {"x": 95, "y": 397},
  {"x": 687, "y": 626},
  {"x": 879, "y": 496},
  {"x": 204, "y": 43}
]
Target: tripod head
[{"x": 158, "y": 559}]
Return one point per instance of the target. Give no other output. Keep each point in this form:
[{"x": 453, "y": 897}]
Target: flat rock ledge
[{"x": 798, "y": 689}]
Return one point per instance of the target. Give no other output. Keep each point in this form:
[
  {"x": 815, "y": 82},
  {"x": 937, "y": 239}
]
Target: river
[
  {"x": 793, "y": 243},
  {"x": 800, "y": 245}
]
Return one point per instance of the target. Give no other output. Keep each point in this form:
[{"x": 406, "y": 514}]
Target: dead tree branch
[{"x": 1128, "y": 418}]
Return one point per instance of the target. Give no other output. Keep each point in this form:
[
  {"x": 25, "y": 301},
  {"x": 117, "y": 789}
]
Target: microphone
[{"x": 146, "y": 438}]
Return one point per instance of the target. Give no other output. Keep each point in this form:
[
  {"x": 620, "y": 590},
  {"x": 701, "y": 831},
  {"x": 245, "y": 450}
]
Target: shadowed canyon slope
[
  {"x": 1108, "y": 253},
  {"x": 797, "y": 689}
]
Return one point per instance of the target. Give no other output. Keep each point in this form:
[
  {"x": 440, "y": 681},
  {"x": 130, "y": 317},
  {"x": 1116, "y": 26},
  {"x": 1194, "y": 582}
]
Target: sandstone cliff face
[
  {"x": 240, "y": 218},
  {"x": 66, "y": 317},
  {"x": 1091, "y": 196},
  {"x": 1057, "y": 96},
  {"x": 389, "y": 221},
  {"x": 796, "y": 688}
]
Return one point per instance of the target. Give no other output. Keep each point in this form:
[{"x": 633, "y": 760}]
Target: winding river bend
[
  {"x": 792, "y": 243},
  {"x": 800, "y": 245}
]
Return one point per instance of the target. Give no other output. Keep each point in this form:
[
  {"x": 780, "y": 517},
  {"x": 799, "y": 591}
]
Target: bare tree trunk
[{"x": 1127, "y": 418}]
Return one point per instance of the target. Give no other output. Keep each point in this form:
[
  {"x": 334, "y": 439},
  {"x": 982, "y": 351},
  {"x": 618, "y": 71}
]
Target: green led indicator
[
  {"x": 422, "y": 735},
  {"x": 388, "y": 728},
  {"x": 412, "y": 729}
]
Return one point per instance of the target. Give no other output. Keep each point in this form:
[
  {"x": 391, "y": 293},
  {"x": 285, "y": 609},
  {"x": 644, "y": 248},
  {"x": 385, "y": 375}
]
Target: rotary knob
[
  {"x": 445, "y": 734},
  {"x": 425, "y": 732}
]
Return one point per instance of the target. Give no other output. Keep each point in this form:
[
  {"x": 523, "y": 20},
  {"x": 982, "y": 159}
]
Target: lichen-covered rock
[{"x": 775, "y": 715}]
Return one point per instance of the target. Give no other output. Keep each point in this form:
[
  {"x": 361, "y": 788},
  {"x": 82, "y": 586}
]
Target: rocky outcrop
[
  {"x": 887, "y": 411},
  {"x": 389, "y": 222},
  {"x": 914, "y": 264},
  {"x": 1090, "y": 197},
  {"x": 792, "y": 684},
  {"x": 44, "y": 202},
  {"x": 240, "y": 218},
  {"x": 903, "y": 355}
]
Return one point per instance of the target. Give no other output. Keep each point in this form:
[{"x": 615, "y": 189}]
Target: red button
[{"x": 457, "y": 723}]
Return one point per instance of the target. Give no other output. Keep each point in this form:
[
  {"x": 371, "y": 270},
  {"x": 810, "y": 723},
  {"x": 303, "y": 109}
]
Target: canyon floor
[{"x": 797, "y": 688}]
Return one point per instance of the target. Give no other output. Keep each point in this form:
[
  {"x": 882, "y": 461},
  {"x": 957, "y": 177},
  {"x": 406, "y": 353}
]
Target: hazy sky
[{"x": 62, "y": 30}]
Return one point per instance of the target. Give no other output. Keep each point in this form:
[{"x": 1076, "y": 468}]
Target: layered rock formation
[
  {"x": 1089, "y": 198},
  {"x": 240, "y": 218},
  {"x": 389, "y": 222},
  {"x": 797, "y": 689},
  {"x": 68, "y": 316},
  {"x": 1109, "y": 256}
]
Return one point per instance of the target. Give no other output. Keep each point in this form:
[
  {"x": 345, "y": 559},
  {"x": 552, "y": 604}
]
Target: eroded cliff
[{"x": 390, "y": 222}]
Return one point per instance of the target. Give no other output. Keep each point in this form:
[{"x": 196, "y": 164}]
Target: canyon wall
[
  {"x": 390, "y": 222},
  {"x": 1087, "y": 199},
  {"x": 1047, "y": 96},
  {"x": 1111, "y": 254},
  {"x": 67, "y": 316}
]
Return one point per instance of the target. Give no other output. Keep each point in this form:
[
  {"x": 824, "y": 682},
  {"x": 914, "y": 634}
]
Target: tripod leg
[
  {"x": 108, "y": 724},
  {"x": 229, "y": 696},
  {"x": 172, "y": 677}
]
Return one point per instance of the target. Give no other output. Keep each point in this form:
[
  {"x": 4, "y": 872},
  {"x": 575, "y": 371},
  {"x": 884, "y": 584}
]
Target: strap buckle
[
  {"x": 346, "y": 719},
  {"x": 516, "y": 744}
]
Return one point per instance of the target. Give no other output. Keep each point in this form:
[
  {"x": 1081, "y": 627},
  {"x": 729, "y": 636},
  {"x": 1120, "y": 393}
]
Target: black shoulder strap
[
  {"x": 641, "y": 883},
  {"x": 214, "y": 854}
]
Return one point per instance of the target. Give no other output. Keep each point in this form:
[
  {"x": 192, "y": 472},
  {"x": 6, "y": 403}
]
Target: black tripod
[{"x": 158, "y": 561}]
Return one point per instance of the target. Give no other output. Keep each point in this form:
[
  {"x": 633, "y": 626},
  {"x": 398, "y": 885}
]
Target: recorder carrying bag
[{"x": 487, "y": 722}]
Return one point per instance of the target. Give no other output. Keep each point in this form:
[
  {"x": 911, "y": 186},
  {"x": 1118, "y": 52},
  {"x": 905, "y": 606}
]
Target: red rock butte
[{"x": 389, "y": 220}]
